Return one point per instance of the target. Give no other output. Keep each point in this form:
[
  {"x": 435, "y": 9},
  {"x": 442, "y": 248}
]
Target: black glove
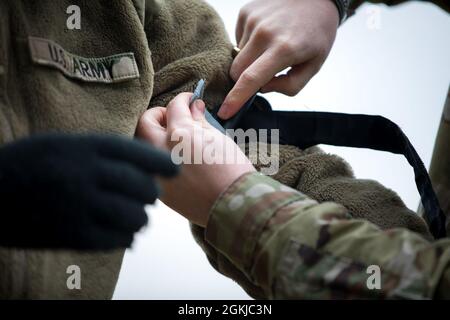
[{"x": 77, "y": 191}]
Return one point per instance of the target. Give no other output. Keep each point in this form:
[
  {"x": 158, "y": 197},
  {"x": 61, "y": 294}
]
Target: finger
[
  {"x": 151, "y": 127},
  {"x": 143, "y": 155},
  {"x": 198, "y": 111},
  {"x": 250, "y": 81},
  {"x": 246, "y": 34},
  {"x": 248, "y": 30},
  {"x": 155, "y": 116},
  {"x": 291, "y": 83},
  {"x": 249, "y": 53},
  {"x": 178, "y": 112},
  {"x": 240, "y": 25},
  {"x": 117, "y": 212},
  {"x": 128, "y": 181}
]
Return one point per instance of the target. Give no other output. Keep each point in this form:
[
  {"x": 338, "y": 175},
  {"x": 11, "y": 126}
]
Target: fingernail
[
  {"x": 223, "y": 112},
  {"x": 199, "y": 105}
]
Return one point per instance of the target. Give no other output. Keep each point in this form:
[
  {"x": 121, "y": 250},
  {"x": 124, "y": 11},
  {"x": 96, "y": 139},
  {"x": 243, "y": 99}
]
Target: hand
[
  {"x": 77, "y": 191},
  {"x": 273, "y": 36},
  {"x": 194, "y": 191}
]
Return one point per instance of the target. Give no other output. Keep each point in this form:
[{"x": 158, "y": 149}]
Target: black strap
[{"x": 306, "y": 129}]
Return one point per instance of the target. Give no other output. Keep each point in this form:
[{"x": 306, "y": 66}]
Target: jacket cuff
[
  {"x": 342, "y": 6},
  {"x": 241, "y": 213}
]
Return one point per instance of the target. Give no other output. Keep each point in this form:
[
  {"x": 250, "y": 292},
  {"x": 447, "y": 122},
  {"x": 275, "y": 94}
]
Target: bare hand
[
  {"x": 193, "y": 192},
  {"x": 273, "y": 36}
]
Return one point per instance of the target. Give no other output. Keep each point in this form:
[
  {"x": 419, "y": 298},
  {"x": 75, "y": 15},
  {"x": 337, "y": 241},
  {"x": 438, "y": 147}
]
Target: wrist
[
  {"x": 226, "y": 185},
  {"x": 241, "y": 213}
]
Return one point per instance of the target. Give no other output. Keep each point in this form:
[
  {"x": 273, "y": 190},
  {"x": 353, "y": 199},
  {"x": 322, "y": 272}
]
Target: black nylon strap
[{"x": 306, "y": 129}]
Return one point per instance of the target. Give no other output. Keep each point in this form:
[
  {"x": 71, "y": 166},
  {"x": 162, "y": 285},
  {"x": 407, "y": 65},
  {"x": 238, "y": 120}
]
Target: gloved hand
[{"x": 77, "y": 191}]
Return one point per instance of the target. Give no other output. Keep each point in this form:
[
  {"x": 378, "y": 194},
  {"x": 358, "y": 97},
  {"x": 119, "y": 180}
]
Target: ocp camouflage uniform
[
  {"x": 440, "y": 162},
  {"x": 152, "y": 50},
  {"x": 279, "y": 243},
  {"x": 292, "y": 247}
]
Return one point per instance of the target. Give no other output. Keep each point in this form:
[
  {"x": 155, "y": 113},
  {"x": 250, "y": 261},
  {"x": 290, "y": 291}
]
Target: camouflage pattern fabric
[
  {"x": 292, "y": 247},
  {"x": 440, "y": 162},
  {"x": 336, "y": 266}
]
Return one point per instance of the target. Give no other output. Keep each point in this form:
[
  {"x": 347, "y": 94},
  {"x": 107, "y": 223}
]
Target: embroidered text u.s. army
[{"x": 115, "y": 68}]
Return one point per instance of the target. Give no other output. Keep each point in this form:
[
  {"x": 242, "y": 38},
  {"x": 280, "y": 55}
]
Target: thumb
[
  {"x": 198, "y": 111},
  {"x": 178, "y": 112}
]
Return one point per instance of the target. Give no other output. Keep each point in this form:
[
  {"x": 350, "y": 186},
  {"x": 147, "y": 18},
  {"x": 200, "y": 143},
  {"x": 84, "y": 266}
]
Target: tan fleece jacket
[
  {"x": 36, "y": 98},
  {"x": 174, "y": 44}
]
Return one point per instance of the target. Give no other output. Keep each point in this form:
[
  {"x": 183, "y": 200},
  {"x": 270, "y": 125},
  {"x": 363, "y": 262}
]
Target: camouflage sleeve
[
  {"x": 293, "y": 247},
  {"x": 354, "y": 4}
]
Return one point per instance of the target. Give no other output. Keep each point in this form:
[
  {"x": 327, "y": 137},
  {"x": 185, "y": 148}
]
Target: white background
[{"x": 389, "y": 61}]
